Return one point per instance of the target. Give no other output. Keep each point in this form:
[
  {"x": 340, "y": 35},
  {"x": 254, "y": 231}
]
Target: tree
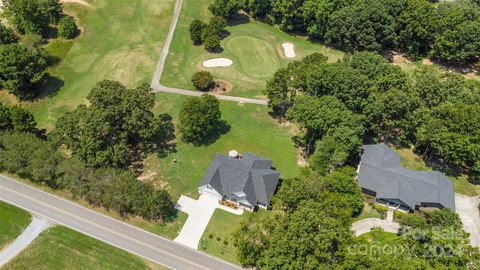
[
  {"x": 365, "y": 25},
  {"x": 225, "y": 8},
  {"x": 200, "y": 117},
  {"x": 7, "y": 36},
  {"x": 212, "y": 43},
  {"x": 461, "y": 44},
  {"x": 22, "y": 120},
  {"x": 416, "y": 27},
  {"x": 21, "y": 69},
  {"x": 32, "y": 16},
  {"x": 67, "y": 28},
  {"x": 328, "y": 155},
  {"x": 259, "y": 8},
  {"x": 324, "y": 116},
  {"x": 117, "y": 128},
  {"x": 202, "y": 80},
  {"x": 450, "y": 133},
  {"x": 216, "y": 27},
  {"x": 25, "y": 154},
  {"x": 197, "y": 28}
]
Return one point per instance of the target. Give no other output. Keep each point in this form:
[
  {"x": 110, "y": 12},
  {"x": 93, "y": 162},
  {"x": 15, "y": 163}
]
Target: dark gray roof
[
  {"x": 380, "y": 171},
  {"x": 250, "y": 179}
]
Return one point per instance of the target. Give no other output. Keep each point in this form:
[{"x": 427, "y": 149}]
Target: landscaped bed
[{"x": 12, "y": 222}]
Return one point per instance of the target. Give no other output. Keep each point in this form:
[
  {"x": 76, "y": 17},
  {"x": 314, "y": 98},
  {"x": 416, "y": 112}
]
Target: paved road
[
  {"x": 37, "y": 226},
  {"x": 106, "y": 229},
  {"x": 157, "y": 87}
]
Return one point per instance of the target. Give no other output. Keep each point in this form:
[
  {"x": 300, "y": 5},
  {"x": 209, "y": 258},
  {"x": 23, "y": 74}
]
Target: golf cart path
[
  {"x": 366, "y": 225},
  {"x": 34, "y": 229},
  {"x": 158, "y": 87}
]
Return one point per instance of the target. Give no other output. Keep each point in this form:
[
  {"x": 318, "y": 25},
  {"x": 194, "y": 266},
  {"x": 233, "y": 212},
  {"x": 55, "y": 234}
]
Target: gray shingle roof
[
  {"x": 380, "y": 171},
  {"x": 251, "y": 175}
]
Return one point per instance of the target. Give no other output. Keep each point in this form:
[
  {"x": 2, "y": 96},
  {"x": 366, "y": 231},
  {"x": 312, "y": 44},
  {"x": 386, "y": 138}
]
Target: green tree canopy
[
  {"x": 21, "y": 69},
  {"x": 32, "y": 16},
  {"x": 200, "y": 118},
  {"x": 117, "y": 128}
]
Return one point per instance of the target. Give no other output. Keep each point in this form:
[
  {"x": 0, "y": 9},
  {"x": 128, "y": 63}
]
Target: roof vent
[{"x": 233, "y": 154}]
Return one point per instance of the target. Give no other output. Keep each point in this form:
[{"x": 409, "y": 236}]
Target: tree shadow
[
  {"x": 237, "y": 19},
  {"x": 215, "y": 50},
  {"x": 222, "y": 128},
  {"x": 49, "y": 87}
]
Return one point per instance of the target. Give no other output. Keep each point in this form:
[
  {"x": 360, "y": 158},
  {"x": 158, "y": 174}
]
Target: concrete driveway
[
  {"x": 366, "y": 225},
  {"x": 199, "y": 213},
  {"x": 467, "y": 208}
]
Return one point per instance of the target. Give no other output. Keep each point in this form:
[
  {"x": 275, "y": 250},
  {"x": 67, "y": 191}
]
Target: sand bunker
[
  {"x": 289, "y": 50},
  {"x": 217, "y": 62}
]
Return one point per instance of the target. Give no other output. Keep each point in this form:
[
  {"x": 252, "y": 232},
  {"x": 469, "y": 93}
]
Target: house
[
  {"x": 380, "y": 175},
  {"x": 248, "y": 180}
]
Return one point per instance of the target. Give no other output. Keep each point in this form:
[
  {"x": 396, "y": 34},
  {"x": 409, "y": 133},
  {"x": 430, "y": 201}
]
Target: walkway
[
  {"x": 157, "y": 87},
  {"x": 37, "y": 226},
  {"x": 467, "y": 208},
  {"x": 199, "y": 214},
  {"x": 365, "y": 225},
  {"x": 114, "y": 232}
]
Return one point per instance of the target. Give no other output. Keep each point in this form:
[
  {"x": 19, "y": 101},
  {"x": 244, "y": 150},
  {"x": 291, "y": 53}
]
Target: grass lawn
[
  {"x": 217, "y": 239},
  {"x": 251, "y": 130},
  {"x": 461, "y": 184},
  {"x": 63, "y": 248},
  {"x": 255, "y": 48},
  {"x": 13, "y": 221},
  {"x": 121, "y": 40},
  {"x": 378, "y": 236},
  {"x": 367, "y": 212}
]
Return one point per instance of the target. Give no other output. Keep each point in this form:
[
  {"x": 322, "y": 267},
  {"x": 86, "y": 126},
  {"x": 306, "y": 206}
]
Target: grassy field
[
  {"x": 255, "y": 48},
  {"x": 121, "y": 40},
  {"x": 461, "y": 184},
  {"x": 12, "y": 222},
  {"x": 251, "y": 130},
  {"x": 62, "y": 248}
]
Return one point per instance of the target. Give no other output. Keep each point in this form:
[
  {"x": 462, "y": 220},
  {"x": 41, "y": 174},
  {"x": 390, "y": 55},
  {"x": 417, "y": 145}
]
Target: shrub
[
  {"x": 212, "y": 43},
  {"x": 225, "y": 242},
  {"x": 197, "y": 28},
  {"x": 216, "y": 27},
  {"x": 218, "y": 238},
  {"x": 382, "y": 210},
  {"x": 67, "y": 28},
  {"x": 32, "y": 41},
  {"x": 202, "y": 80},
  {"x": 210, "y": 236},
  {"x": 410, "y": 220},
  {"x": 7, "y": 35}
]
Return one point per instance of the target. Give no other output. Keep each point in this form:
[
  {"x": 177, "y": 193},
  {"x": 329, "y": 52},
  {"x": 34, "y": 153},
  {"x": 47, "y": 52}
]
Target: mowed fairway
[
  {"x": 62, "y": 248},
  {"x": 12, "y": 222},
  {"x": 251, "y": 130},
  {"x": 255, "y": 48},
  {"x": 122, "y": 40}
]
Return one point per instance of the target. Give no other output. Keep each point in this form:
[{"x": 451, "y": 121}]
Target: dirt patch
[
  {"x": 301, "y": 160},
  {"x": 221, "y": 87},
  {"x": 427, "y": 62}
]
